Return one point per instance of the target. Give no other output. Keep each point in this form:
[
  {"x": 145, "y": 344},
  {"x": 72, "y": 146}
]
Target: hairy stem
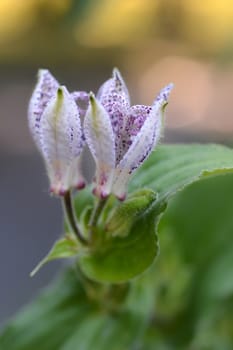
[{"x": 70, "y": 216}]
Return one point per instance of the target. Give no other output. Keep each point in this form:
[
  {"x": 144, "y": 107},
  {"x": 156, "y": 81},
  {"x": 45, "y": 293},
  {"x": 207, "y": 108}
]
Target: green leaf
[
  {"x": 168, "y": 170},
  {"x": 201, "y": 221},
  {"x": 125, "y": 214},
  {"x": 122, "y": 258},
  {"x": 64, "y": 248},
  {"x": 66, "y": 317},
  {"x": 173, "y": 167},
  {"x": 195, "y": 264},
  {"x": 183, "y": 301}
]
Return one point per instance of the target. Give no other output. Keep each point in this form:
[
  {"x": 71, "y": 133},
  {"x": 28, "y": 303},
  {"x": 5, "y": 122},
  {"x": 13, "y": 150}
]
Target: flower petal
[
  {"x": 61, "y": 140},
  {"x": 136, "y": 117},
  {"x": 112, "y": 86},
  {"x": 45, "y": 89},
  {"x": 114, "y": 96},
  {"x": 100, "y": 139},
  {"x": 82, "y": 100},
  {"x": 163, "y": 95},
  {"x": 76, "y": 176},
  {"x": 142, "y": 145}
]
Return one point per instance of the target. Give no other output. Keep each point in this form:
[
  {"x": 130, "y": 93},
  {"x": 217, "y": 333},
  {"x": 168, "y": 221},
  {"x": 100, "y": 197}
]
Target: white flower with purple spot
[
  {"x": 54, "y": 121},
  {"x": 120, "y": 136}
]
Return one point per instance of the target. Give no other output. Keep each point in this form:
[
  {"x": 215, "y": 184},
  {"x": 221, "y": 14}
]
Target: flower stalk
[
  {"x": 71, "y": 219},
  {"x": 96, "y": 214}
]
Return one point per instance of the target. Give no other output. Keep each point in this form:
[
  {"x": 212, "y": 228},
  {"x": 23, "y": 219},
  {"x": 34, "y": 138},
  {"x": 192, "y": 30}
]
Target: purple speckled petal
[
  {"x": 45, "y": 89},
  {"x": 61, "y": 141},
  {"x": 100, "y": 139},
  {"x": 162, "y": 97},
  {"x": 82, "y": 100},
  {"x": 114, "y": 85},
  {"x": 113, "y": 95},
  {"x": 136, "y": 118},
  {"x": 142, "y": 145}
]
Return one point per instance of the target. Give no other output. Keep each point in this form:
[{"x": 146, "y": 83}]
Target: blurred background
[{"x": 152, "y": 42}]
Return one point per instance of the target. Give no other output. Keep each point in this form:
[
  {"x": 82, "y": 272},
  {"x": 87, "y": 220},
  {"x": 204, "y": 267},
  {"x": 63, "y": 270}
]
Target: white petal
[
  {"x": 114, "y": 85},
  {"x": 100, "y": 139},
  {"x": 142, "y": 145},
  {"x": 61, "y": 139},
  {"x": 75, "y": 174},
  {"x": 45, "y": 89},
  {"x": 114, "y": 97},
  {"x": 163, "y": 95},
  {"x": 82, "y": 100},
  {"x": 136, "y": 117}
]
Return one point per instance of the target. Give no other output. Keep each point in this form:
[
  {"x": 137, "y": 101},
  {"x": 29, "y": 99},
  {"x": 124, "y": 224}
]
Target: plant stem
[
  {"x": 70, "y": 216},
  {"x": 96, "y": 213}
]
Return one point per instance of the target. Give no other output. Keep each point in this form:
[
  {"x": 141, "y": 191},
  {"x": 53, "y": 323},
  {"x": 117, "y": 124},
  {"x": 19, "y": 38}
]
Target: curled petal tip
[
  {"x": 122, "y": 197},
  {"x": 92, "y": 100},
  {"x": 118, "y": 77},
  {"x": 42, "y": 71},
  {"x": 170, "y": 87},
  {"x": 162, "y": 98},
  {"x": 57, "y": 191},
  {"x": 60, "y": 90},
  {"x": 116, "y": 73},
  {"x": 92, "y": 97},
  {"x": 104, "y": 195},
  {"x": 62, "y": 192},
  {"x": 100, "y": 193},
  {"x": 166, "y": 91},
  {"x": 81, "y": 185}
]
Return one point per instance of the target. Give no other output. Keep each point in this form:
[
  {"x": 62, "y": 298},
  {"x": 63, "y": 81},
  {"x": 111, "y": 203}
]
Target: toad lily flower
[
  {"x": 56, "y": 128},
  {"x": 121, "y": 137}
]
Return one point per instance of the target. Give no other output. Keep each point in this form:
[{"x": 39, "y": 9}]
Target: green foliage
[
  {"x": 71, "y": 317},
  {"x": 172, "y": 167},
  {"x": 167, "y": 171},
  {"x": 125, "y": 214},
  {"x": 183, "y": 301},
  {"x": 65, "y": 247},
  {"x": 110, "y": 258},
  {"x": 194, "y": 291},
  {"x": 121, "y": 259},
  {"x": 127, "y": 242}
]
